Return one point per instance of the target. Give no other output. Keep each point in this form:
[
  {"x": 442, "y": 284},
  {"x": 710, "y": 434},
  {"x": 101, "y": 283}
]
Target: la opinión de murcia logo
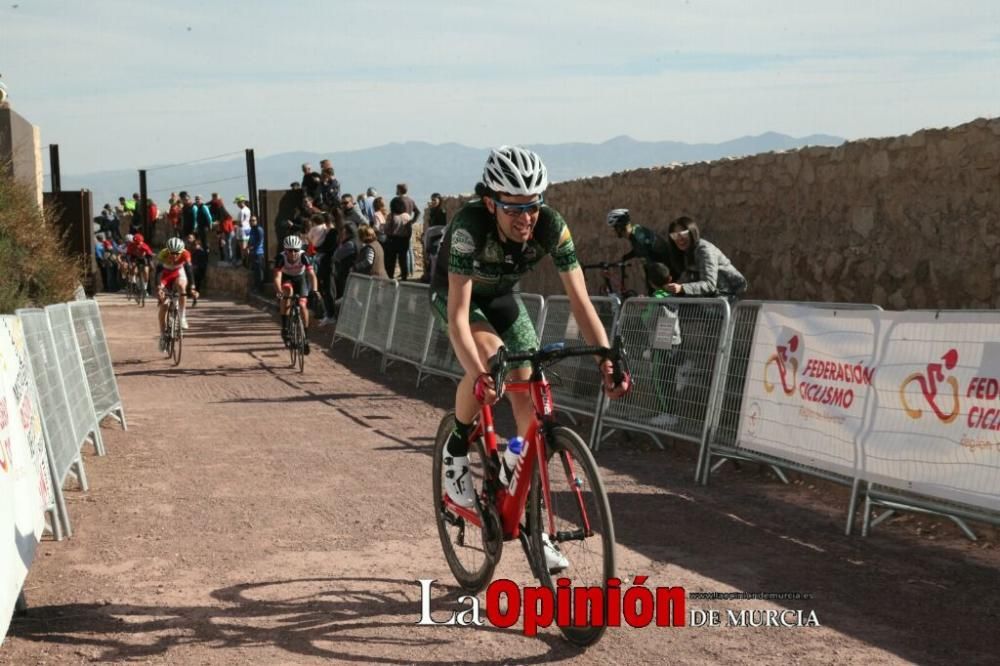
[
  {"x": 943, "y": 395},
  {"x": 636, "y": 606},
  {"x": 823, "y": 382}
]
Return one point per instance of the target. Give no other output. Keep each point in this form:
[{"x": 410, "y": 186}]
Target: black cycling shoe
[{"x": 305, "y": 348}]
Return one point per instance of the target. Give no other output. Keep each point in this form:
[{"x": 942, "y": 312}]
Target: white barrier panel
[
  {"x": 74, "y": 377},
  {"x": 936, "y": 429},
  {"x": 97, "y": 360},
  {"x": 353, "y": 308},
  {"x": 378, "y": 314},
  {"x": 411, "y": 324},
  {"x": 25, "y": 484},
  {"x": 57, "y": 424},
  {"x": 807, "y": 385}
]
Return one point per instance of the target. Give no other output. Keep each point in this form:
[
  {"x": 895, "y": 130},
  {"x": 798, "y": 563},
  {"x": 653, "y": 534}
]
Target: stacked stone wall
[{"x": 904, "y": 222}]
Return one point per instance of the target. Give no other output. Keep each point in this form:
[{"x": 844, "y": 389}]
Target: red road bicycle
[{"x": 555, "y": 500}]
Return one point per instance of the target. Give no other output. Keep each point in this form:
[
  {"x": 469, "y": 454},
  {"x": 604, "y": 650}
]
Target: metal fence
[
  {"x": 410, "y": 329},
  {"x": 576, "y": 382},
  {"x": 81, "y": 403},
  {"x": 97, "y": 360},
  {"x": 57, "y": 423},
  {"x": 379, "y": 314},
  {"x": 353, "y": 308},
  {"x": 675, "y": 349}
]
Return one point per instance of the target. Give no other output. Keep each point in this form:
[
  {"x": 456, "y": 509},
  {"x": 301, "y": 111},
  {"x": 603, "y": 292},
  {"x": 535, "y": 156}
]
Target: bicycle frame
[{"x": 512, "y": 500}]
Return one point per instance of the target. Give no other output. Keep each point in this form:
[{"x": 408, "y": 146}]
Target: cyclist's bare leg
[
  {"x": 466, "y": 406},
  {"x": 304, "y": 312},
  {"x": 286, "y": 304},
  {"x": 161, "y": 298}
]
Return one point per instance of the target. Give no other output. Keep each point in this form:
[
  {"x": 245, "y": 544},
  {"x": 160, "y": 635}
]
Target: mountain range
[{"x": 449, "y": 168}]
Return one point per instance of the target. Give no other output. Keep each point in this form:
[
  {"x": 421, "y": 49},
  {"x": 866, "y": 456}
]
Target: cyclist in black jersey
[{"x": 490, "y": 243}]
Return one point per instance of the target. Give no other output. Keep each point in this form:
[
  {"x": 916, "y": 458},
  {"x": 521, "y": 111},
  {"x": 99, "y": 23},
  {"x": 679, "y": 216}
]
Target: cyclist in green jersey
[
  {"x": 490, "y": 243},
  {"x": 647, "y": 245}
]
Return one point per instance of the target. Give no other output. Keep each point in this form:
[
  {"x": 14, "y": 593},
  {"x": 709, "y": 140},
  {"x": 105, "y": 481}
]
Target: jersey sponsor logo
[{"x": 462, "y": 242}]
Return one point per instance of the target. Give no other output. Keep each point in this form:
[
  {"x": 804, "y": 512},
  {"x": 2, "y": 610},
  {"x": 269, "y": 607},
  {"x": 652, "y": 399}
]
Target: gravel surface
[{"x": 252, "y": 514}]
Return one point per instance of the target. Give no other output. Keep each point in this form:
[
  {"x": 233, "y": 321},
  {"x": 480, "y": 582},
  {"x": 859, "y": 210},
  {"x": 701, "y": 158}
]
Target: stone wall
[{"x": 904, "y": 222}]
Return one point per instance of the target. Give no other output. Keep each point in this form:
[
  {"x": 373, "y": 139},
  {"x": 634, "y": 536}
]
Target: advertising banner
[
  {"x": 25, "y": 483},
  {"x": 936, "y": 429},
  {"x": 808, "y": 382}
]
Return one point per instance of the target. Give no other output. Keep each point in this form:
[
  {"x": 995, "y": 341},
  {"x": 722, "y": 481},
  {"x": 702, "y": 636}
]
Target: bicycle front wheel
[
  {"x": 581, "y": 546},
  {"x": 299, "y": 334},
  {"x": 472, "y": 551},
  {"x": 177, "y": 337}
]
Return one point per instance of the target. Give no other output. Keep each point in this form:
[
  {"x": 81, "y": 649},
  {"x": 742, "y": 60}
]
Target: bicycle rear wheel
[
  {"x": 584, "y": 537},
  {"x": 472, "y": 552},
  {"x": 177, "y": 339}
]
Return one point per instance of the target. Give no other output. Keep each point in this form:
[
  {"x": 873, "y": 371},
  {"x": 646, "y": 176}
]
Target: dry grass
[{"x": 35, "y": 267}]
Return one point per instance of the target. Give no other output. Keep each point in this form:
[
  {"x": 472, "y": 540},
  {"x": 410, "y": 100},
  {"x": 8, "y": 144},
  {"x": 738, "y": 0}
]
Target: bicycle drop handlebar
[
  {"x": 552, "y": 353},
  {"x": 603, "y": 265}
]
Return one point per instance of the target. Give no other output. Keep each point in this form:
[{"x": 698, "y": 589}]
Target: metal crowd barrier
[
  {"x": 57, "y": 421},
  {"x": 353, "y": 309},
  {"x": 676, "y": 346},
  {"x": 97, "y": 360},
  {"x": 81, "y": 403},
  {"x": 410, "y": 328},
  {"x": 576, "y": 382},
  {"x": 378, "y": 315}
]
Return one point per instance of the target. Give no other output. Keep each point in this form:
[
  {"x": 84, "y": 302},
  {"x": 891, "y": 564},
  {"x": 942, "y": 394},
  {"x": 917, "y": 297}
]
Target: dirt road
[{"x": 251, "y": 514}]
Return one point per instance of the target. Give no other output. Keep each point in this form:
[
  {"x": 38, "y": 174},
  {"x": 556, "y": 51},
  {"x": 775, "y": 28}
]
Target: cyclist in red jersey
[
  {"x": 175, "y": 264},
  {"x": 140, "y": 255}
]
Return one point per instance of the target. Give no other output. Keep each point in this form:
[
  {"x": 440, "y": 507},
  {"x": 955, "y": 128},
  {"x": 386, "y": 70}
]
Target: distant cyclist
[
  {"x": 174, "y": 264},
  {"x": 489, "y": 244},
  {"x": 139, "y": 256},
  {"x": 647, "y": 245},
  {"x": 294, "y": 274}
]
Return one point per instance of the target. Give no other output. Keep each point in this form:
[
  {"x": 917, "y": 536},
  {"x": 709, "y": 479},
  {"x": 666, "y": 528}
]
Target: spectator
[
  {"x": 255, "y": 253},
  {"x": 242, "y": 228},
  {"x": 202, "y": 221},
  {"x": 109, "y": 223},
  {"x": 128, "y": 205},
  {"x": 435, "y": 212},
  {"x": 379, "y": 218},
  {"x": 187, "y": 215},
  {"x": 345, "y": 256},
  {"x": 329, "y": 189},
  {"x": 398, "y": 231},
  {"x": 351, "y": 212},
  {"x": 661, "y": 345},
  {"x": 174, "y": 214},
  {"x": 371, "y": 258},
  {"x": 367, "y": 204},
  {"x": 199, "y": 259},
  {"x": 310, "y": 181},
  {"x": 707, "y": 271},
  {"x": 324, "y": 273},
  {"x": 318, "y": 230},
  {"x": 224, "y": 227},
  {"x": 410, "y": 206},
  {"x": 647, "y": 245}
]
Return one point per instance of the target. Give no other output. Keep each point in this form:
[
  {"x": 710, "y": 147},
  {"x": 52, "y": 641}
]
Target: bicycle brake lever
[
  {"x": 500, "y": 369},
  {"x": 619, "y": 361}
]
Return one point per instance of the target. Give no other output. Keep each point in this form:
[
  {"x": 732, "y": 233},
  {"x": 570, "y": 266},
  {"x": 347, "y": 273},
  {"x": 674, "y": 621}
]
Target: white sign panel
[
  {"x": 25, "y": 490},
  {"x": 808, "y": 381},
  {"x": 937, "y": 427}
]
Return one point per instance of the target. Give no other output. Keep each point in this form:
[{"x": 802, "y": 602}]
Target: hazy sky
[{"x": 129, "y": 84}]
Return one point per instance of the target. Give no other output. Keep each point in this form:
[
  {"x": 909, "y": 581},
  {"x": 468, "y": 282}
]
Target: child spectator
[{"x": 664, "y": 337}]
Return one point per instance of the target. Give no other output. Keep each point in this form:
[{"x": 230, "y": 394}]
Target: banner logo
[
  {"x": 929, "y": 384},
  {"x": 787, "y": 356}
]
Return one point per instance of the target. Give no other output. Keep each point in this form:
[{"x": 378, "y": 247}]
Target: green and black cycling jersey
[
  {"x": 648, "y": 246},
  {"x": 472, "y": 246}
]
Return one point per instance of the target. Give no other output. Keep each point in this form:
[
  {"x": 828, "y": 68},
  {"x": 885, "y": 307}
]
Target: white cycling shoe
[
  {"x": 554, "y": 560},
  {"x": 184, "y": 322},
  {"x": 458, "y": 480}
]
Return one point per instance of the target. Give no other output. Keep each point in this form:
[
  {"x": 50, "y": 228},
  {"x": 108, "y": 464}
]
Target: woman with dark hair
[{"x": 707, "y": 271}]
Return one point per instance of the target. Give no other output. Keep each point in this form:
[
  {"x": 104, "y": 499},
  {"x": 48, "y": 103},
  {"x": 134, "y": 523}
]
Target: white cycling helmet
[
  {"x": 175, "y": 244},
  {"x": 292, "y": 242},
  {"x": 516, "y": 171},
  {"x": 619, "y": 217},
  {"x": 129, "y": 238}
]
